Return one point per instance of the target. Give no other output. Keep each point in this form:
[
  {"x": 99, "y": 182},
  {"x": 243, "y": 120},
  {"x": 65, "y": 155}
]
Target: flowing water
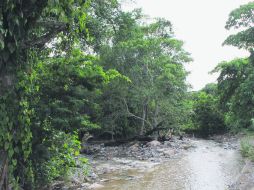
[{"x": 208, "y": 166}]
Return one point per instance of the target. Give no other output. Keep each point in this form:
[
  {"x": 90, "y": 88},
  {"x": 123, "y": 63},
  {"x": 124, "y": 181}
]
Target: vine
[{"x": 16, "y": 139}]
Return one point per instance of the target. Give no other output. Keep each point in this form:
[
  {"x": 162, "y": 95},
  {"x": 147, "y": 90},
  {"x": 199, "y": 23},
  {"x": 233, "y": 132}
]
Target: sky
[{"x": 201, "y": 25}]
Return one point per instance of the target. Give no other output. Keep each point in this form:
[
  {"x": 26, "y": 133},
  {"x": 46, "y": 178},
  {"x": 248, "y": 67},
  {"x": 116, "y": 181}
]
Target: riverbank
[
  {"x": 245, "y": 180},
  {"x": 245, "y": 145}
]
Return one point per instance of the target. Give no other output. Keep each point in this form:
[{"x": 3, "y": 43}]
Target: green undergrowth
[{"x": 247, "y": 145}]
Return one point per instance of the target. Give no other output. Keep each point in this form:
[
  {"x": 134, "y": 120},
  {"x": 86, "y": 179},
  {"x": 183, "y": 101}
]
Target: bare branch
[{"x": 133, "y": 115}]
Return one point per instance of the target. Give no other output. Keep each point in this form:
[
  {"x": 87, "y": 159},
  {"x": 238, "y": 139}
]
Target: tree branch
[
  {"x": 53, "y": 27},
  {"x": 156, "y": 128},
  {"x": 133, "y": 115}
]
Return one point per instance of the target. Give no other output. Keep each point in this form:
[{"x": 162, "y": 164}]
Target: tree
[
  {"x": 235, "y": 92},
  {"x": 63, "y": 93},
  {"x": 153, "y": 60},
  {"x": 232, "y": 74},
  {"x": 241, "y": 18},
  {"x": 32, "y": 24},
  {"x": 26, "y": 30},
  {"x": 207, "y": 116},
  {"x": 236, "y": 76}
]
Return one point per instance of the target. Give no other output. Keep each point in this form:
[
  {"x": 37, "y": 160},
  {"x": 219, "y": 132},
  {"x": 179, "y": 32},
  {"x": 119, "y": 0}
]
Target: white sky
[{"x": 200, "y": 24}]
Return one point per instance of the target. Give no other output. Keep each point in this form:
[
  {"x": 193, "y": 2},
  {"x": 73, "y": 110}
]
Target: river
[{"x": 208, "y": 166}]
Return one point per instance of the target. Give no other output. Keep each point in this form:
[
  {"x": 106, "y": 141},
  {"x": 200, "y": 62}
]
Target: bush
[
  {"x": 247, "y": 148},
  {"x": 207, "y": 116},
  {"x": 58, "y": 159}
]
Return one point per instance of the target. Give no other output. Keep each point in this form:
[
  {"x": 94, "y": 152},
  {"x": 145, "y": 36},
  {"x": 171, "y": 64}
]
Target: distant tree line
[{"x": 229, "y": 104}]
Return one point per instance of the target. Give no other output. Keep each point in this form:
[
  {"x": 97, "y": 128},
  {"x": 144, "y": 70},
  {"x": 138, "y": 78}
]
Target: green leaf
[{"x": 6, "y": 146}]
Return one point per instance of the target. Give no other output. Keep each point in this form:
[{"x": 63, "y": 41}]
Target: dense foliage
[
  {"x": 229, "y": 104},
  {"x": 153, "y": 61},
  {"x": 207, "y": 118},
  {"x": 235, "y": 91},
  {"x": 235, "y": 83},
  {"x": 46, "y": 87},
  {"x": 64, "y": 105}
]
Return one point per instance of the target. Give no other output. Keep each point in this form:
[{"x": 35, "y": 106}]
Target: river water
[{"x": 208, "y": 166}]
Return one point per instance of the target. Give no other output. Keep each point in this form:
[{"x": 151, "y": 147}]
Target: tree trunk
[
  {"x": 155, "y": 119},
  {"x": 143, "y": 118},
  {"x": 6, "y": 82}
]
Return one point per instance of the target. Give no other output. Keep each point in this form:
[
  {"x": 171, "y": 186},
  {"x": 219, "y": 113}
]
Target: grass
[{"x": 247, "y": 147}]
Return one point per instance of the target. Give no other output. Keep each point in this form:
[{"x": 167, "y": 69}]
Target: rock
[
  {"x": 134, "y": 147},
  {"x": 168, "y": 143},
  {"x": 153, "y": 143},
  {"x": 170, "y": 152},
  {"x": 75, "y": 181},
  {"x": 95, "y": 186},
  {"x": 152, "y": 160},
  {"x": 57, "y": 185},
  {"x": 72, "y": 187},
  {"x": 85, "y": 185},
  {"x": 86, "y": 137},
  {"x": 104, "y": 180},
  {"x": 130, "y": 177},
  {"x": 187, "y": 146},
  {"x": 93, "y": 176},
  {"x": 86, "y": 179}
]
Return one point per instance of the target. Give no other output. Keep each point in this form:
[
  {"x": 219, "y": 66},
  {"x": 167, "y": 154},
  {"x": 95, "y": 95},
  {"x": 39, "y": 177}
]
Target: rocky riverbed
[
  {"x": 176, "y": 163},
  {"x": 139, "y": 156}
]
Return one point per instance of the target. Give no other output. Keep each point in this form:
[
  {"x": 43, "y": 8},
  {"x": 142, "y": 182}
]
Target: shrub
[{"x": 247, "y": 148}]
